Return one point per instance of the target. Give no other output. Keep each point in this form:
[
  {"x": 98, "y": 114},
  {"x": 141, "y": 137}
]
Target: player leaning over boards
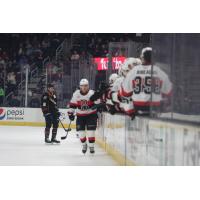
[
  {"x": 147, "y": 84},
  {"x": 86, "y": 115},
  {"x": 51, "y": 113},
  {"x": 125, "y": 104}
]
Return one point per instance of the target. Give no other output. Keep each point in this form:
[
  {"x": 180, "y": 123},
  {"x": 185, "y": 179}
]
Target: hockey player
[
  {"x": 107, "y": 95},
  {"x": 86, "y": 115},
  {"x": 103, "y": 94},
  {"x": 126, "y": 104},
  {"x": 146, "y": 83},
  {"x": 51, "y": 113},
  {"x": 128, "y": 64},
  {"x": 113, "y": 77}
]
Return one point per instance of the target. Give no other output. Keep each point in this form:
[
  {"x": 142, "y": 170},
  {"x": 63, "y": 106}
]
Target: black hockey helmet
[{"x": 146, "y": 54}]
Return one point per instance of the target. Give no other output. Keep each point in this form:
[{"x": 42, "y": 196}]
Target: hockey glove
[
  {"x": 103, "y": 87},
  {"x": 112, "y": 110},
  {"x": 71, "y": 116},
  {"x": 96, "y": 95},
  {"x": 58, "y": 114}
]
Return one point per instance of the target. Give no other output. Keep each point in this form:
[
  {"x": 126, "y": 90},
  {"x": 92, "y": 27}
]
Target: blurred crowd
[
  {"x": 97, "y": 44},
  {"x": 19, "y": 50}
]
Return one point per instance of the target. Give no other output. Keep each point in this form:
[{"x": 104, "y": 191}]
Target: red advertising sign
[{"x": 102, "y": 63}]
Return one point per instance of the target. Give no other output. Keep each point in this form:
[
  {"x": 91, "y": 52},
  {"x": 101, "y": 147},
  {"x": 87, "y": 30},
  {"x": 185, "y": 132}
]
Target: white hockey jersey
[
  {"x": 82, "y": 104},
  {"x": 117, "y": 84},
  {"x": 126, "y": 105},
  {"x": 146, "y": 86}
]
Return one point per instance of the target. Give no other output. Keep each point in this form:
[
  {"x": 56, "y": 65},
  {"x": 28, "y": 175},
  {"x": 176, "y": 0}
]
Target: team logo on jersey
[
  {"x": 84, "y": 105},
  {"x": 2, "y": 113}
]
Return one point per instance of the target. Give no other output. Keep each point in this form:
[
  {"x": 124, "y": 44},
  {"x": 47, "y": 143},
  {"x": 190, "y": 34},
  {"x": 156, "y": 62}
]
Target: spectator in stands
[
  {"x": 14, "y": 102},
  {"x": 97, "y": 51},
  {"x": 54, "y": 74},
  {"x": 104, "y": 50},
  {"x": 2, "y": 62},
  {"x": 2, "y": 94},
  {"x": 2, "y": 72},
  {"x": 1, "y": 79},
  {"x": 5, "y": 56},
  {"x": 11, "y": 82},
  {"x": 21, "y": 49},
  {"x": 91, "y": 45},
  {"x": 99, "y": 41},
  {"x": 75, "y": 55},
  {"x": 45, "y": 45},
  {"x": 39, "y": 62},
  {"x": 29, "y": 48},
  {"x": 11, "y": 78}
]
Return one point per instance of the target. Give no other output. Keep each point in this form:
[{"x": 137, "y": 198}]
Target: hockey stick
[{"x": 66, "y": 130}]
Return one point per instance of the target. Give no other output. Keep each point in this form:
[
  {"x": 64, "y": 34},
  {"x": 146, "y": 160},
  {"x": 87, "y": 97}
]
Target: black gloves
[
  {"x": 95, "y": 96},
  {"x": 100, "y": 107},
  {"x": 103, "y": 86},
  {"x": 58, "y": 114},
  {"x": 71, "y": 116},
  {"x": 112, "y": 110}
]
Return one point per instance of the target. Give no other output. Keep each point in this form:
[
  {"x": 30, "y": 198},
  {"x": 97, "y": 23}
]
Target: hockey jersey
[
  {"x": 126, "y": 104},
  {"x": 146, "y": 85},
  {"x": 117, "y": 84},
  {"x": 49, "y": 103},
  {"x": 82, "y": 104}
]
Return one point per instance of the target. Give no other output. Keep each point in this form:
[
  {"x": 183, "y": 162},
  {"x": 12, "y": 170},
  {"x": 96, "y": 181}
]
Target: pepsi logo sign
[{"x": 2, "y": 113}]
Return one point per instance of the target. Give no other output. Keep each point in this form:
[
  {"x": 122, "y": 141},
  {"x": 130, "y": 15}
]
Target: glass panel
[{"x": 178, "y": 56}]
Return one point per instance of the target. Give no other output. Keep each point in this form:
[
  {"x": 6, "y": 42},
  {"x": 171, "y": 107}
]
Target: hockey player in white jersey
[
  {"x": 126, "y": 104},
  {"x": 107, "y": 95},
  {"x": 128, "y": 64},
  {"x": 113, "y": 77},
  {"x": 103, "y": 94},
  {"x": 86, "y": 115},
  {"x": 146, "y": 83}
]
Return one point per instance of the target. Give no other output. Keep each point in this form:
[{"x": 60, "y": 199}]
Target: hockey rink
[{"x": 20, "y": 145}]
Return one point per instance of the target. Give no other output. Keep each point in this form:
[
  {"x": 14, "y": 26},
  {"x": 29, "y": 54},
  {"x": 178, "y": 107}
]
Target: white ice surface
[{"x": 25, "y": 146}]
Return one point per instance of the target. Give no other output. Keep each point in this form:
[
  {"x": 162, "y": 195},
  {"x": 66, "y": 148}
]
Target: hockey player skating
[
  {"x": 51, "y": 113},
  {"x": 146, "y": 84},
  {"x": 86, "y": 115}
]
